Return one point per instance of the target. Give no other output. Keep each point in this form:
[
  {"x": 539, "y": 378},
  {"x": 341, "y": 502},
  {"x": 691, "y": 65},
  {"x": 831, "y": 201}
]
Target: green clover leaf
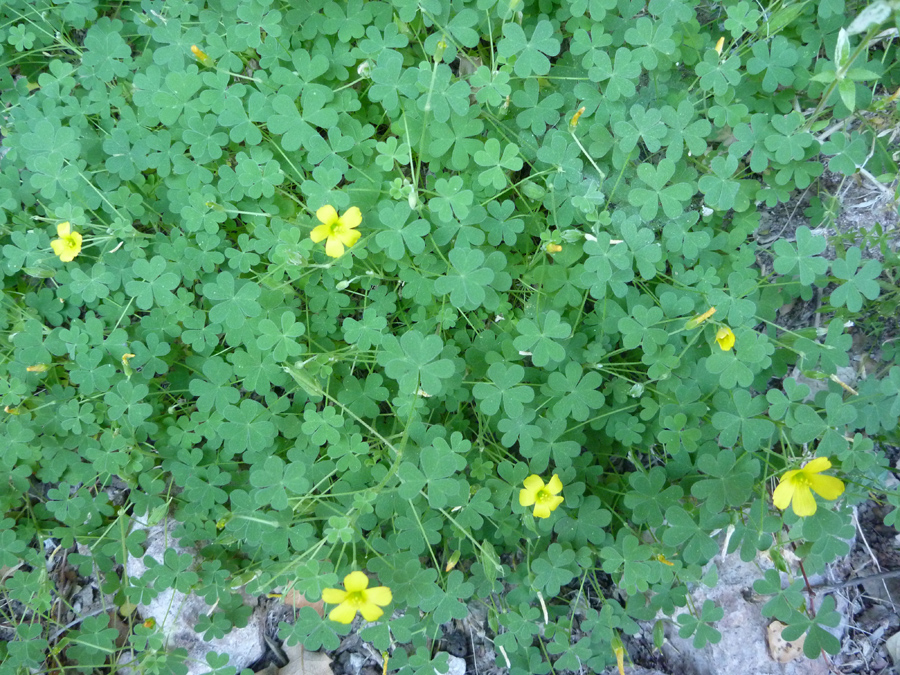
[
  {"x": 858, "y": 282},
  {"x": 540, "y": 338},
  {"x": 466, "y": 281},
  {"x": 776, "y": 59},
  {"x": 498, "y": 164},
  {"x": 503, "y": 389},
  {"x": 804, "y": 257},
  {"x": 235, "y": 300},
  {"x": 412, "y": 361},
  {"x": 673, "y": 198},
  {"x": 531, "y": 54},
  {"x": 621, "y": 74}
]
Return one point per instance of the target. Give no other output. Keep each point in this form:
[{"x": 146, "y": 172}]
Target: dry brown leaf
[
  {"x": 304, "y": 662},
  {"x": 780, "y": 649},
  {"x": 293, "y": 598}
]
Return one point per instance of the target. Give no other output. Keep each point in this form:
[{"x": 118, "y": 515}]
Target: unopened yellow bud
[
  {"x": 439, "y": 50},
  {"x": 454, "y": 558},
  {"x": 699, "y": 319},
  {"x": 619, "y": 651},
  {"x": 661, "y": 558},
  {"x": 150, "y": 623},
  {"x": 719, "y": 45},
  {"x": 893, "y": 97},
  {"x": 11, "y": 411},
  {"x": 574, "y": 122},
  {"x": 125, "y": 367},
  {"x": 39, "y": 368},
  {"x": 201, "y": 55},
  {"x": 554, "y": 248}
]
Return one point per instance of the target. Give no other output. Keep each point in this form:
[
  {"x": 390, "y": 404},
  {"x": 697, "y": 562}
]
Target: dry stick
[
  {"x": 78, "y": 620},
  {"x": 856, "y": 581},
  {"x": 878, "y": 184},
  {"x": 871, "y": 554}
]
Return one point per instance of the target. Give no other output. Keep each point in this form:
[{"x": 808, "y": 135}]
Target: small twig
[
  {"x": 878, "y": 184},
  {"x": 77, "y": 621},
  {"x": 830, "y": 130},
  {"x": 474, "y": 654},
  {"x": 871, "y": 555},
  {"x": 856, "y": 581},
  {"x": 809, "y": 588}
]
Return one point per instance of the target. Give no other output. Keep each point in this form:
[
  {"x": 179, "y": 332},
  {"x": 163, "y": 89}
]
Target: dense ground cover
[{"x": 461, "y": 294}]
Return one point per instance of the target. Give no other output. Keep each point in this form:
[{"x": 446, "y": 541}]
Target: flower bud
[
  {"x": 574, "y": 121},
  {"x": 201, "y": 56},
  {"x": 39, "y": 368},
  {"x": 125, "y": 367},
  {"x": 619, "y": 650},
  {"x": 454, "y": 558},
  {"x": 439, "y": 50},
  {"x": 719, "y": 45},
  {"x": 699, "y": 319}
]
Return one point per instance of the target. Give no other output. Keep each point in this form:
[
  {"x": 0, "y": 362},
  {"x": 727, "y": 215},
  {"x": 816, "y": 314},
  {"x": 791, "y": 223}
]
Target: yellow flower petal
[
  {"x": 783, "y": 493},
  {"x": 333, "y": 596},
  {"x": 63, "y": 229},
  {"x": 804, "y": 503},
  {"x": 725, "y": 338},
  {"x": 533, "y": 483},
  {"x": 555, "y": 485},
  {"x": 542, "y": 511},
  {"x": 334, "y": 248},
  {"x": 352, "y": 217},
  {"x": 356, "y": 581},
  {"x": 59, "y": 247},
  {"x": 348, "y": 237},
  {"x": 828, "y": 487},
  {"x": 380, "y": 595},
  {"x": 554, "y": 502},
  {"x": 527, "y": 497},
  {"x": 371, "y": 612},
  {"x": 343, "y": 613},
  {"x": 320, "y": 232},
  {"x": 327, "y": 215},
  {"x": 817, "y": 465}
]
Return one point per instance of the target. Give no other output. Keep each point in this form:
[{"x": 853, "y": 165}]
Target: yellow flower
[
  {"x": 69, "y": 243},
  {"x": 796, "y": 487},
  {"x": 338, "y": 230},
  {"x": 357, "y": 597},
  {"x": 544, "y": 498},
  {"x": 725, "y": 338},
  {"x": 719, "y": 45}
]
